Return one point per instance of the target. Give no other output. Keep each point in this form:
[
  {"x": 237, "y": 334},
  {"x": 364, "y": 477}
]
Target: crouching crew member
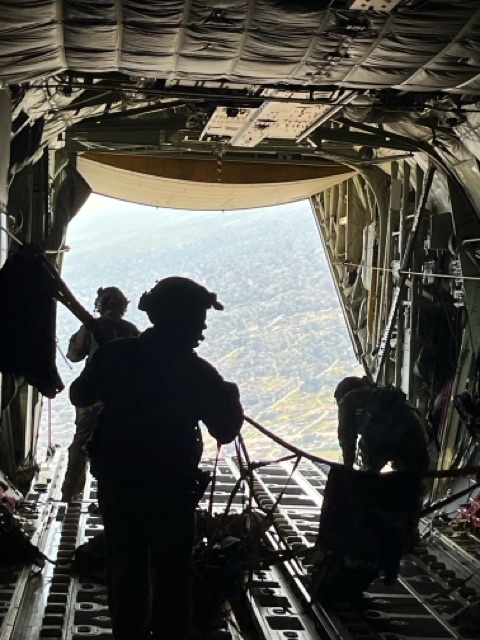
[
  {"x": 369, "y": 519},
  {"x": 145, "y": 454},
  {"x": 388, "y": 428}
]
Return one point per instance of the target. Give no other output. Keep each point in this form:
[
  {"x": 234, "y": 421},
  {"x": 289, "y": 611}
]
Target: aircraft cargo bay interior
[{"x": 369, "y": 111}]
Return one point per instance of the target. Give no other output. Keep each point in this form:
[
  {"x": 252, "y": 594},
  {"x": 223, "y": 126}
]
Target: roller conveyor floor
[{"x": 434, "y": 597}]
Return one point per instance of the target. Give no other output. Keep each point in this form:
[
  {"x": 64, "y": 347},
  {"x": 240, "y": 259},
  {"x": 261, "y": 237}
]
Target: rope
[
  {"x": 64, "y": 357},
  {"x": 241, "y": 449},
  {"x": 246, "y": 473},
  {"x": 407, "y": 272},
  {"x": 13, "y": 237},
  {"x": 214, "y": 479},
  {"x": 220, "y": 153},
  {"x": 290, "y": 447},
  {"x": 443, "y": 503},
  {"x": 441, "y": 473},
  {"x": 274, "y": 506}
]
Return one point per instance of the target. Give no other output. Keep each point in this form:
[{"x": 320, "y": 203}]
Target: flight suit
[
  {"x": 145, "y": 454},
  {"x": 394, "y": 435},
  {"x": 83, "y": 345}
]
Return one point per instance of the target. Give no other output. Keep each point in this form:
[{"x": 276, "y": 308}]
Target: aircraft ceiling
[
  {"x": 262, "y": 81},
  {"x": 414, "y": 45}
]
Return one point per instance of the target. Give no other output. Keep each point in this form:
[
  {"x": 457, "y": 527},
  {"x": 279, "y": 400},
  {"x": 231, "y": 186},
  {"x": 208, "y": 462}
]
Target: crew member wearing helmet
[
  {"x": 145, "y": 454},
  {"x": 388, "y": 427},
  {"x": 369, "y": 519},
  {"x": 111, "y": 304},
  {"x": 389, "y": 430}
]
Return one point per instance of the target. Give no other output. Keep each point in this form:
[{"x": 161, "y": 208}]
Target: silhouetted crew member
[
  {"x": 389, "y": 429},
  {"x": 111, "y": 304},
  {"x": 145, "y": 454}
]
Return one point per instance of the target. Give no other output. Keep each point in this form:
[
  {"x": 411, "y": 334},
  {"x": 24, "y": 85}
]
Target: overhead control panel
[
  {"x": 280, "y": 120},
  {"x": 383, "y": 6}
]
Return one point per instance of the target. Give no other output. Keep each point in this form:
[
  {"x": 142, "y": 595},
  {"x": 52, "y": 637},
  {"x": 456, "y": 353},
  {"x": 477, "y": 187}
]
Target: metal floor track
[{"x": 435, "y": 588}]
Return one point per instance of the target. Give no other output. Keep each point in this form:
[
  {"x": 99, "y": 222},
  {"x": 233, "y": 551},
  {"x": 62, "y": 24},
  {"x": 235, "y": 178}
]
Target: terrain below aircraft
[{"x": 368, "y": 108}]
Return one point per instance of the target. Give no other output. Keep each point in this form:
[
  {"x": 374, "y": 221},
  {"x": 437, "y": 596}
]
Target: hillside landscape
[{"x": 281, "y": 338}]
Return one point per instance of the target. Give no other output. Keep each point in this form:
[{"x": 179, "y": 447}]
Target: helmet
[
  {"x": 177, "y": 297},
  {"x": 349, "y": 384},
  {"x": 110, "y": 299}
]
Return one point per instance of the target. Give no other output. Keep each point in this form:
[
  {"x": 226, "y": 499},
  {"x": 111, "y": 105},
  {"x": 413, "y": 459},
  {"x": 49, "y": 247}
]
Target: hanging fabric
[{"x": 27, "y": 321}]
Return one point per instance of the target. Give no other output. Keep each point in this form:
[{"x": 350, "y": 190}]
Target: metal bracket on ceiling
[{"x": 379, "y": 6}]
